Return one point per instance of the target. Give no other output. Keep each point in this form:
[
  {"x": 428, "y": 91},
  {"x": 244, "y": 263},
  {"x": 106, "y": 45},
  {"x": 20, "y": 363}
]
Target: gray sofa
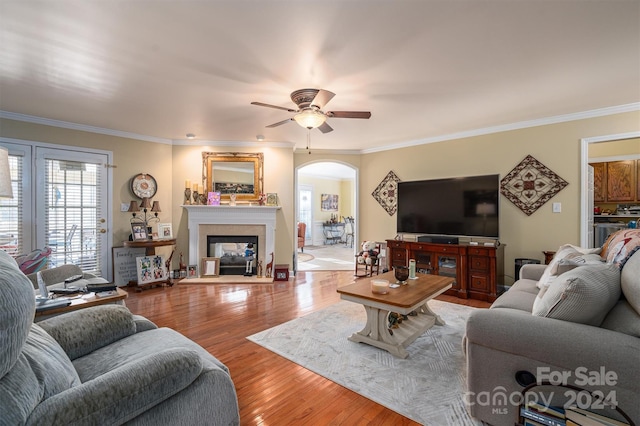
[
  {"x": 102, "y": 366},
  {"x": 507, "y": 339}
]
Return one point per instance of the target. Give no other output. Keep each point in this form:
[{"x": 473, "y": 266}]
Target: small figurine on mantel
[
  {"x": 259, "y": 269},
  {"x": 249, "y": 255},
  {"x": 262, "y": 199}
]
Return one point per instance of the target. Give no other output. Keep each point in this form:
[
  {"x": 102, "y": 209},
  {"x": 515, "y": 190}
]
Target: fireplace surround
[{"x": 231, "y": 220}]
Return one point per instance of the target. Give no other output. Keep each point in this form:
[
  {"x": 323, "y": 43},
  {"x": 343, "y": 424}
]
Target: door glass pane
[
  {"x": 305, "y": 212},
  {"x": 72, "y": 194},
  {"x": 11, "y": 236}
]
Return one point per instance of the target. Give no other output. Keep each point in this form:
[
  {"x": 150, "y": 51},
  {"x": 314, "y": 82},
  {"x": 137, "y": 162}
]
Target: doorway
[
  {"x": 586, "y": 210},
  {"x": 326, "y": 202}
]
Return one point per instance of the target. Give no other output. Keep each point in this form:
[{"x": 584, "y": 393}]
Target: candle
[
  {"x": 187, "y": 183},
  {"x": 380, "y": 286},
  {"x": 195, "y": 187}
]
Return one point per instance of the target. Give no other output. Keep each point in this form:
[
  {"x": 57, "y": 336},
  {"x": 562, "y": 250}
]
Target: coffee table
[
  {"x": 81, "y": 301},
  {"x": 405, "y": 299}
]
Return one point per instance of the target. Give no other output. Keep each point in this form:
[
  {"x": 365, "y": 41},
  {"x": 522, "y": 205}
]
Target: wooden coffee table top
[
  {"x": 405, "y": 296},
  {"x": 85, "y": 301}
]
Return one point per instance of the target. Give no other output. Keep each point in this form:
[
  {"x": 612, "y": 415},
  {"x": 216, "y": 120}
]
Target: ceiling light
[
  {"x": 310, "y": 118},
  {"x": 191, "y": 136},
  {"x": 260, "y": 137}
]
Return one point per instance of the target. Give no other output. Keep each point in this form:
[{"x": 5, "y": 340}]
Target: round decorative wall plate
[{"x": 144, "y": 185}]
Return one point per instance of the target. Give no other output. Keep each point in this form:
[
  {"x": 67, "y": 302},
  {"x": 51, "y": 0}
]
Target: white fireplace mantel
[{"x": 229, "y": 215}]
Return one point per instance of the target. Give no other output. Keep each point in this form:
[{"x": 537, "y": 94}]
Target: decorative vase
[
  {"x": 187, "y": 196},
  {"x": 401, "y": 273},
  {"x": 195, "y": 197}
]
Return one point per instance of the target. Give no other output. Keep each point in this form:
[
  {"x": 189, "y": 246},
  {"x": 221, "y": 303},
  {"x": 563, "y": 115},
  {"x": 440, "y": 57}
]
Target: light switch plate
[
  {"x": 124, "y": 207},
  {"x": 557, "y": 207}
]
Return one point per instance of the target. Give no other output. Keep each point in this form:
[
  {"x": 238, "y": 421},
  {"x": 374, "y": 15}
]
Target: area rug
[
  {"x": 426, "y": 387},
  {"x": 305, "y": 257}
]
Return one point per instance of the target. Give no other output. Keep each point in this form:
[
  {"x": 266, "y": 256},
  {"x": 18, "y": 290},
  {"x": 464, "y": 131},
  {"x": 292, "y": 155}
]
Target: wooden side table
[
  {"x": 548, "y": 255},
  {"x": 150, "y": 250}
]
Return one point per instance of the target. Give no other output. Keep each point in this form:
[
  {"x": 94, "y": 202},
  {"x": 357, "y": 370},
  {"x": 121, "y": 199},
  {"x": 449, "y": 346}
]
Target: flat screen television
[{"x": 461, "y": 207}]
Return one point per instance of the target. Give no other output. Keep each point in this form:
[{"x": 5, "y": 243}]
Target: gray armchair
[{"x": 102, "y": 365}]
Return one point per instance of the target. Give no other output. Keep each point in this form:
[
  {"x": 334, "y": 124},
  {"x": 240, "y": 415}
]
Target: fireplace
[
  {"x": 230, "y": 249},
  {"x": 242, "y": 220}
]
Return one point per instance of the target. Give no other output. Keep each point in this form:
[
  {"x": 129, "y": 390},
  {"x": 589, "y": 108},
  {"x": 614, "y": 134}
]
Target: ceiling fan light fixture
[{"x": 310, "y": 118}]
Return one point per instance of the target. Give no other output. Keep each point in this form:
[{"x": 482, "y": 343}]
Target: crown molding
[
  {"x": 471, "y": 133},
  {"x": 80, "y": 127},
  {"x": 513, "y": 126}
]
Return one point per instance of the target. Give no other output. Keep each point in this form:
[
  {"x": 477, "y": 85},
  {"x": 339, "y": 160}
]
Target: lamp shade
[
  {"x": 145, "y": 203},
  {"x": 6, "y": 191},
  {"x": 133, "y": 207},
  {"x": 156, "y": 207},
  {"x": 310, "y": 118}
]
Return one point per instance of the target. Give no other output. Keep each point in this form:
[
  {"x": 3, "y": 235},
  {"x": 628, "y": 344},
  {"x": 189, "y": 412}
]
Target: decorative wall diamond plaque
[
  {"x": 531, "y": 184},
  {"x": 387, "y": 193}
]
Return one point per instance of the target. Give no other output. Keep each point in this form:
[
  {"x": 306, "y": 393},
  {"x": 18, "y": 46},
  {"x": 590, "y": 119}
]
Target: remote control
[{"x": 73, "y": 279}]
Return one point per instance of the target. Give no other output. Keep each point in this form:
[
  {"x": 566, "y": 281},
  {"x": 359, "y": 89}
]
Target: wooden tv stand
[{"x": 476, "y": 269}]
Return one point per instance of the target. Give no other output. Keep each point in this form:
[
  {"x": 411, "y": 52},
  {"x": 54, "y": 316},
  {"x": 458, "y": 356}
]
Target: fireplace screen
[{"x": 230, "y": 249}]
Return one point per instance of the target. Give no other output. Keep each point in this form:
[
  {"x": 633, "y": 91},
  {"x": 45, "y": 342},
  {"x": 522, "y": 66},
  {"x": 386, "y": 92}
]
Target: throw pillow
[
  {"x": 566, "y": 251},
  {"x": 621, "y": 245},
  {"x": 584, "y": 295}
]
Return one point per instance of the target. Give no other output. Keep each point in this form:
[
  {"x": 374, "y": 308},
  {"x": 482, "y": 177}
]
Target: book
[
  {"x": 541, "y": 418},
  {"x": 551, "y": 410},
  {"x": 529, "y": 422},
  {"x": 589, "y": 418}
]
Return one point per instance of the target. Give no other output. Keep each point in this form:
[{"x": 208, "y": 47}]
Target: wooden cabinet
[
  {"x": 616, "y": 181},
  {"x": 599, "y": 182},
  {"x": 621, "y": 180},
  {"x": 475, "y": 269}
]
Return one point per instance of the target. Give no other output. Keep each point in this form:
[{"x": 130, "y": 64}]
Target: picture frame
[
  {"x": 139, "y": 232},
  {"x": 192, "y": 271},
  {"x": 213, "y": 198},
  {"x": 165, "y": 230},
  {"x": 329, "y": 202},
  {"x": 151, "y": 269},
  {"x": 210, "y": 267},
  {"x": 272, "y": 199}
]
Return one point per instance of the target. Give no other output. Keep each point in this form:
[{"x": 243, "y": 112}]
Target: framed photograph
[
  {"x": 213, "y": 199},
  {"x": 150, "y": 269},
  {"x": 272, "y": 199},
  {"x": 165, "y": 230},
  {"x": 139, "y": 232},
  {"x": 210, "y": 267},
  {"x": 192, "y": 271},
  {"x": 329, "y": 202}
]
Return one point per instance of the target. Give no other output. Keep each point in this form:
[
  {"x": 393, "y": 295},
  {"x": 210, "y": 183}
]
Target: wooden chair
[
  {"x": 367, "y": 269},
  {"x": 349, "y": 230},
  {"x": 302, "y": 228}
]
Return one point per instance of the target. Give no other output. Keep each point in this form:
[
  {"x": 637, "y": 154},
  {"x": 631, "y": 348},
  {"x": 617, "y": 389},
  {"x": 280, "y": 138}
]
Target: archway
[{"x": 326, "y": 200}]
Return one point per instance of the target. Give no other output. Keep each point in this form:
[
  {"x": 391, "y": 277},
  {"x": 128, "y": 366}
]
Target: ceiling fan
[{"x": 309, "y": 113}]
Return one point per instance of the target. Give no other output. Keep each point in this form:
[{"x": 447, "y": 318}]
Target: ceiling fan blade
[
  {"x": 279, "y": 123},
  {"x": 274, "y": 106},
  {"x": 325, "y": 128},
  {"x": 348, "y": 114},
  {"x": 322, "y": 98}
]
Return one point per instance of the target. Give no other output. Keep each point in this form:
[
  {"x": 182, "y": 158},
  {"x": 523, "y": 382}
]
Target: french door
[{"x": 62, "y": 202}]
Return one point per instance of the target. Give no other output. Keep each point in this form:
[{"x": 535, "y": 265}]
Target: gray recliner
[{"x": 102, "y": 365}]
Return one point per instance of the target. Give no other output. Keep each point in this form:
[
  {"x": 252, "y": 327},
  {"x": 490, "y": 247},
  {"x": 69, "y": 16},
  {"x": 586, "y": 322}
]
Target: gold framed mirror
[{"x": 236, "y": 173}]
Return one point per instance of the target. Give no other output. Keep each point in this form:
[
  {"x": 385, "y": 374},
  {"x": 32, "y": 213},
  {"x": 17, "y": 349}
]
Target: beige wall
[
  {"x": 624, "y": 147},
  {"x": 342, "y": 188},
  {"x": 557, "y": 146}
]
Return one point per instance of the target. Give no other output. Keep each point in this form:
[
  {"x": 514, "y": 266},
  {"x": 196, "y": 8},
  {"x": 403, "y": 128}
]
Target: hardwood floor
[{"x": 271, "y": 390}]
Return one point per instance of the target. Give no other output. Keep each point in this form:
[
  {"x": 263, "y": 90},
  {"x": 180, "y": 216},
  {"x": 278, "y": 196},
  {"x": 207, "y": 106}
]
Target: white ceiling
[{"x": 425, "y": 69}]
